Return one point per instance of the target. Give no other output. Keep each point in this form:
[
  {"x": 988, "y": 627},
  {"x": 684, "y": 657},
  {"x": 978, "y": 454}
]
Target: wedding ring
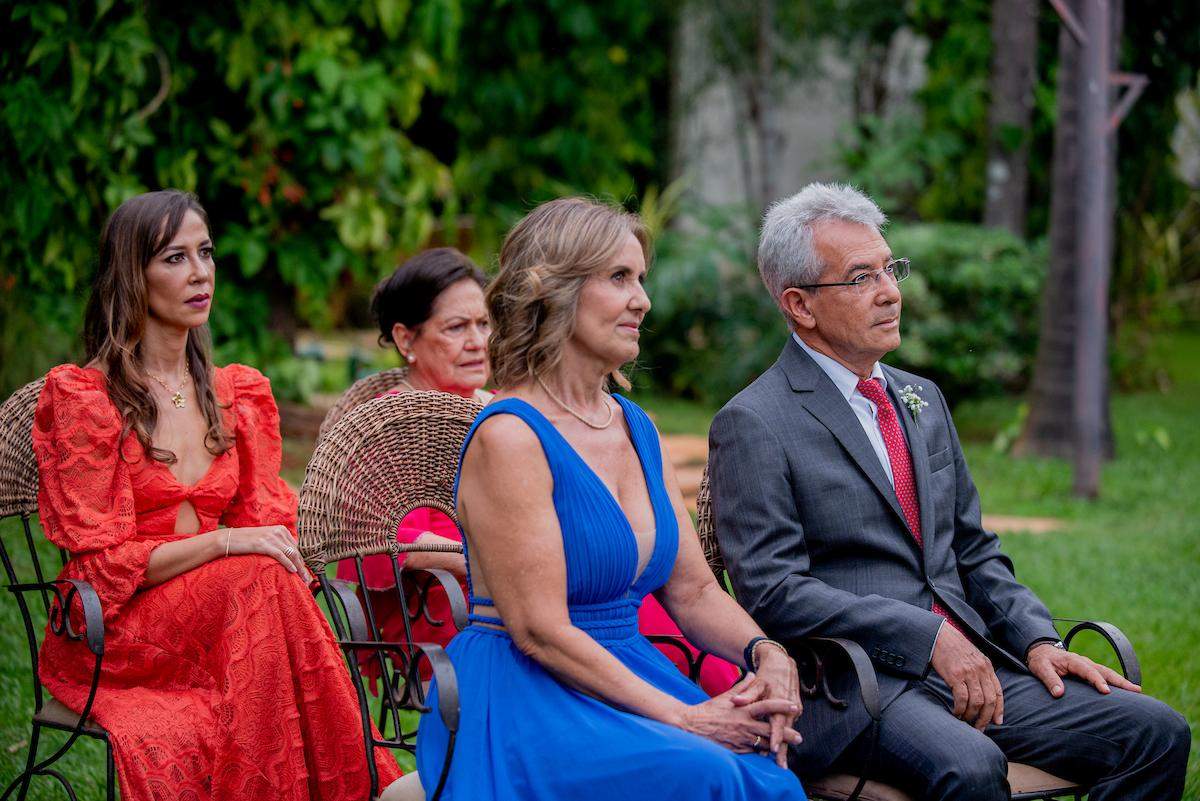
[
  {"x": 288, "y": 550},
  {"x": 757, "y": 741}
]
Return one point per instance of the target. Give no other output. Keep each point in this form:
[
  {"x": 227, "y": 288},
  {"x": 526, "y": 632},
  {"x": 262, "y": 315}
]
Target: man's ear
[
  {"x": 402, "y": 337},
  {"x": 795, "y": 303}
]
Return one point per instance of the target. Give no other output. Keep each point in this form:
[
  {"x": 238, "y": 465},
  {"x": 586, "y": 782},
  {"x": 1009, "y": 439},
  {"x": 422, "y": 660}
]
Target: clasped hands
[
  {"x": 757, "y": 713},
  {"x": 978, "y": 696}
]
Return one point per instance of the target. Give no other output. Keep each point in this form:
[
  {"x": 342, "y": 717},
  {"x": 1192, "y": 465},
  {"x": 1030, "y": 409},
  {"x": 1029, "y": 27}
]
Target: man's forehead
[{"x": 841, "y": 241}]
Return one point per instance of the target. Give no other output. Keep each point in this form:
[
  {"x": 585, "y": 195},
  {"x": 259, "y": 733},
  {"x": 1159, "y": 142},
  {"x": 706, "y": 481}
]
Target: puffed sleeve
[
  {"x": 85, "y": 499},
  {"x": 263, "y": 498}
]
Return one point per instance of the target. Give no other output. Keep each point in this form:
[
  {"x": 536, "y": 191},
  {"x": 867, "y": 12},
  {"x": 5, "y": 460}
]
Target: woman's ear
[
  {"x": 402, "y": 338},
  {"x": 796, "y": 306}
]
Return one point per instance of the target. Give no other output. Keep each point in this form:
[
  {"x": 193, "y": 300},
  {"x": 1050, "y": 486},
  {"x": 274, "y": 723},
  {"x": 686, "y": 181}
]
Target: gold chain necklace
[
  {"x": 575, "y": 414},
  {"x": 176, "y": 396}
]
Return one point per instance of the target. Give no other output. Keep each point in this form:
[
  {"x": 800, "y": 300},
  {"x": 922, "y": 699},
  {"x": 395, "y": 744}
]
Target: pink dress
[{"x": 716, "y": 675}]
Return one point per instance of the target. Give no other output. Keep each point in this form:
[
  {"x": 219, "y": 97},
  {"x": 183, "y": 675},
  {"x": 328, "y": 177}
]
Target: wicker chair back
[
  {"x": 362, "y": 390},
  {"x": 378, "y": 462},
  {"x": 18, "y": 469},
  {"x": 706, "y": 529}
]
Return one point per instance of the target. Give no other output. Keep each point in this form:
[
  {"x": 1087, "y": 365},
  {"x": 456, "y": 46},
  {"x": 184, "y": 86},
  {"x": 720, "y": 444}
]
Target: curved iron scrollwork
[
  {"x": 69, "y": 598},
  {"x": 422, "y": 581},
  {"x": 400, "y": 666}
]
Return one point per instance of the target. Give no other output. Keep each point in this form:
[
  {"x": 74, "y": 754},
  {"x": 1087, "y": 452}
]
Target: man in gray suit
[{"x": 844, "y": 508}]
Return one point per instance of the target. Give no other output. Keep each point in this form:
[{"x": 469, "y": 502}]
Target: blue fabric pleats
[{"x": 524, "y": 735}]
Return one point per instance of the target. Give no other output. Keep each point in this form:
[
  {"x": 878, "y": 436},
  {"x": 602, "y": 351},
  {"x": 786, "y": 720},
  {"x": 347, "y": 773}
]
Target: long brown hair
[{"x": 115, "y": 321}]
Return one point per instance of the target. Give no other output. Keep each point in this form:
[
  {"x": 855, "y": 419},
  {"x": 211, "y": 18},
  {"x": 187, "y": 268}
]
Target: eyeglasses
[{"x": 897, "y": 270}]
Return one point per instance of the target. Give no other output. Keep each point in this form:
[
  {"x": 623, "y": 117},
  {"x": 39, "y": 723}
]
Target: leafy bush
[
  {"x": 970, "y": 309},
  {"x": 288, "y": 120},
  {"x": 712, "y": 327}
]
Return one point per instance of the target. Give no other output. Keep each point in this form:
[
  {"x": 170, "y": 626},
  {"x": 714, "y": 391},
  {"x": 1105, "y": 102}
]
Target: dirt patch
[{"x": 1010, "y": 524}]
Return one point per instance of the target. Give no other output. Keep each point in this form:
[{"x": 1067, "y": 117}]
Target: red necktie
[{"x": 902, "y": 472}]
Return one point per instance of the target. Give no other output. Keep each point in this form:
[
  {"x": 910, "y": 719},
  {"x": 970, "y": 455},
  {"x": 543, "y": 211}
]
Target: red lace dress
[{"x": 223, "y": 682}]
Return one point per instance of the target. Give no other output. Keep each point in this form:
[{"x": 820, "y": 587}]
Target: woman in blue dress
[{"x": 571, "y": 514}]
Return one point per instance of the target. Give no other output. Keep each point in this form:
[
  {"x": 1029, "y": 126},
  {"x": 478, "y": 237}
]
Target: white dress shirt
[{"x": 847, "y": 383}]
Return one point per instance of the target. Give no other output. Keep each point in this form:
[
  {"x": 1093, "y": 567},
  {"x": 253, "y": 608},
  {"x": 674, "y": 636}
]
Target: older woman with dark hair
[
  {"x": 431, "y": 309},
  {"x": 159, "y": 473},
  {"x": 572, "y": 514}
]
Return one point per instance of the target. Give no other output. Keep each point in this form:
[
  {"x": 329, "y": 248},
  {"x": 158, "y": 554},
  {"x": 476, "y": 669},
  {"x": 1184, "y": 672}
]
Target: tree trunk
[
  {"x": 1049, "y": 429},
  {"x": 1014, "y": 65},
  {"x": 769, "y": 138}
]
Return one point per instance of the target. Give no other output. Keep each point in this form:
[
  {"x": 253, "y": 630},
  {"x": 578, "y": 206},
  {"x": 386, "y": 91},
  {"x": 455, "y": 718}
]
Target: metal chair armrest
[
  {"x": 65, "y": 592},
  {"x": 356, "y": 617},
  {"x": 454, "y": 593},
  {"x": 678, "y": 642},
  {"x": 60, "y": 619},
  {"x": 1131, "y": 669},
  {"x": 864, "y": 671},
  {"x": 447, "y": 687}
]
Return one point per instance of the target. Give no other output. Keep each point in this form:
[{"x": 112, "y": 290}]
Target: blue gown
[{"x": 523, "y": 734}]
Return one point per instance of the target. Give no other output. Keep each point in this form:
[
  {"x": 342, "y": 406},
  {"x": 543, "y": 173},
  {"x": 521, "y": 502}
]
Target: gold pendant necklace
[
  {"x": 176, "y": 396},
  {"x": 575, "y": 414}
]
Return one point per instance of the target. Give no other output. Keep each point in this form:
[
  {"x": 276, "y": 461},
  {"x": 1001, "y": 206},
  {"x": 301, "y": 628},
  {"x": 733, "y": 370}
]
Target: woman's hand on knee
[{"x": 273, "y": 541}]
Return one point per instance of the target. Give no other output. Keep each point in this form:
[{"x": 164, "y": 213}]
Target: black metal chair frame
[
  {"x": 869, "y": 685},
  {"x": 58, "y": 596},
  {"x": 358, "y": 635},
  {"x": 810, "y": 663}
]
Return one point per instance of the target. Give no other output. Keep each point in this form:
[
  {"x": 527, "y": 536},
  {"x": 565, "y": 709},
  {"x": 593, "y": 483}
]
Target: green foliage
[
  {"x": 288, "y": 119},
  {"x": 712, "y": 328},
  {"x": 555, "y": 98},
  {"x": 970, "y": 307},
  {"x": 327, "y": 140}
]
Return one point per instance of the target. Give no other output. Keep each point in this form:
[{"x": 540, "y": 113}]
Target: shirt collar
[{"x": 843, "y": 377}]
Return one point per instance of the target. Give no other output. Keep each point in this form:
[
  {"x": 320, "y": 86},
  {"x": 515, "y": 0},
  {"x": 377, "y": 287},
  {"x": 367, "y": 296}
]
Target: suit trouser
[{"x": 1129, "y": 746}]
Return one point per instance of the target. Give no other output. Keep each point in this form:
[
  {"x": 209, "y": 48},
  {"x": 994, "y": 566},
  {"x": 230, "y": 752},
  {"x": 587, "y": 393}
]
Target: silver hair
[{"x": 787, "y": 256}]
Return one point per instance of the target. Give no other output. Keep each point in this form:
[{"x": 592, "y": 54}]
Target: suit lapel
[
  {"x": 920, "y": 460},
  {"x": 821, "y": 398}
]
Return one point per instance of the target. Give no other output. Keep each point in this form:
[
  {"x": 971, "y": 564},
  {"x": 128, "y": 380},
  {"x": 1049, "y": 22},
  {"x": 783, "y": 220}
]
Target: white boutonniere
[{"x": 910, "y": 398}]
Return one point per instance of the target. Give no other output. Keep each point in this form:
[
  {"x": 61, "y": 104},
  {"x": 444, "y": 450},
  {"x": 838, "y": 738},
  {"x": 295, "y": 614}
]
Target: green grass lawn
[{"x": 1132, "y": 558}]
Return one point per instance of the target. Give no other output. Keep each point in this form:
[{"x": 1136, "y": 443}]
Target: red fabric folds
[{"x": 225, "y": 681}]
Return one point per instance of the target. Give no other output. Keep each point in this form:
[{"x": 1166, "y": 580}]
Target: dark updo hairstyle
[
  {"x": 115, "y": 321},
  {"x": 408, "y": 294}
]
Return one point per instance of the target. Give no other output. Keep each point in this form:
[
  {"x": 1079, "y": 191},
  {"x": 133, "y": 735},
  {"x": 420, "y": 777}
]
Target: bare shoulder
[{"x": 504, "y": 446}]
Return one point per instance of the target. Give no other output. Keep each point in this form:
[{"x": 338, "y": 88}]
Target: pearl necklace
[{"x": 575, "y": 414}]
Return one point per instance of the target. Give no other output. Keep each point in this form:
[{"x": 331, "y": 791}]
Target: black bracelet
[{"x": 748, "y": 652}]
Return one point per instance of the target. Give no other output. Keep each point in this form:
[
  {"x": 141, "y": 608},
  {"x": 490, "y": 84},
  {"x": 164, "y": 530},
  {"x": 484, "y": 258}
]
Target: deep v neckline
[
  {"x": 608, "y": 493},
  {"x": 191, "y": 487},
  {"x": 188, "y": 488}
]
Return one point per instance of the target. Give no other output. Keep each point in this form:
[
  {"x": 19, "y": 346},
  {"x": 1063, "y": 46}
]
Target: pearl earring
[{"x": 411, "y": 358}]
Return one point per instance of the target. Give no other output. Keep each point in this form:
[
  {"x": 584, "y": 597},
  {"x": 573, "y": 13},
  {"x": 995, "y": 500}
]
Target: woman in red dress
[{"x": 160, "y": 474}]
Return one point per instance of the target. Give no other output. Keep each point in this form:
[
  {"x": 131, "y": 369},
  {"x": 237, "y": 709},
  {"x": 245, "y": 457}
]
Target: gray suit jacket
[{"x": 816, "y": 543}]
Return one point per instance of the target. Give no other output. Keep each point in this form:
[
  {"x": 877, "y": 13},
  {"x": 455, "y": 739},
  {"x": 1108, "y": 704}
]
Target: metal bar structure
[
  {"x": 1134, "y": 86},
  {"x": 1091, "y": 286},
  {"x": 1070, "y": 21}
]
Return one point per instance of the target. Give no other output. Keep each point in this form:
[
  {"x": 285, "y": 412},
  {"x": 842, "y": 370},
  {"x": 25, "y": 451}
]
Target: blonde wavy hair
[{"x": 544, "y": 262}]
